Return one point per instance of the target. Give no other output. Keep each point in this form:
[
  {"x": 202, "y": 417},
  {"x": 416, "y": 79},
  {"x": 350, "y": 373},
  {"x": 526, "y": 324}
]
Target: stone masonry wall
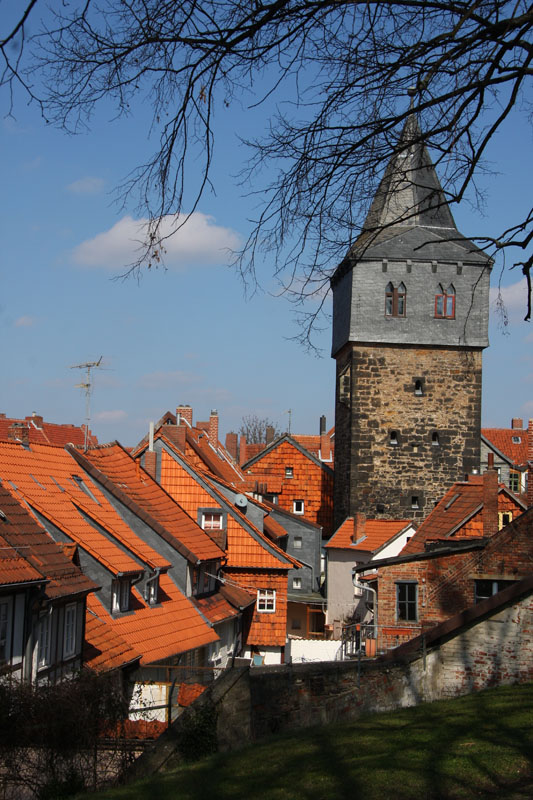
[{"x": 376, "y": 477}]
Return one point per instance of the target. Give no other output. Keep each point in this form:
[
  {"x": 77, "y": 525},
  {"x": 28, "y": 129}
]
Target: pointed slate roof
[{"x": 410, "y": 216}]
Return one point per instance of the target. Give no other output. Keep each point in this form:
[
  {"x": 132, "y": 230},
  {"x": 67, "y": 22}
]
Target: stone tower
[{"x": 410, "y": 321}]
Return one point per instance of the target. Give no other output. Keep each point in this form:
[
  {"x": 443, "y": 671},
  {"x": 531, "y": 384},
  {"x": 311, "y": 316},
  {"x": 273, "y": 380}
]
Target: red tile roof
[
  {"x": 216, "y": 608},
  {"x": 459, "y": 514},
  {"x": 126, "y": 475},
  {"x": 377, "y": 532},
  {"x": 104, "y": 649},
  {"x": 28, "y": 543},
  {"x": 41, "y": 432},
  {"x": 502, "y": 440},
  {"x": 44, "y": 477}
]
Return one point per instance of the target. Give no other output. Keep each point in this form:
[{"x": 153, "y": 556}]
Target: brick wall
[{"x": 370, "y": 473}]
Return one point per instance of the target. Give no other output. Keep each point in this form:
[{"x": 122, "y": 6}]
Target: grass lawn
[{"x": 480, "y": 746}]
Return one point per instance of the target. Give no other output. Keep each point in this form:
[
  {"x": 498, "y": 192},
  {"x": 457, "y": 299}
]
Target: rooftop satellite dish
[{"x": 241, "y": 501}]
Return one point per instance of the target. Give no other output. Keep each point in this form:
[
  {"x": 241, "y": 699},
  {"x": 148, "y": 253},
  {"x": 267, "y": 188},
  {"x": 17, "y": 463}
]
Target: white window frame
[
  {"x": 297, "y": 583},
  {"x": 289, "y": 472},
  {"x": 70, "y": 630},
  {"x": 120, "y": 595},
  {"x": 215, "y": 515},
  {"x": 44, "y": 636},
  {"x": 295, "y": 509},
  {"x": 266, "y": 601}
]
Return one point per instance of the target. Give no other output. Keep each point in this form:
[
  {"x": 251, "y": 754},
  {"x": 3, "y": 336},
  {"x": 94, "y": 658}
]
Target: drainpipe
[{"x": 365, "y": 588}]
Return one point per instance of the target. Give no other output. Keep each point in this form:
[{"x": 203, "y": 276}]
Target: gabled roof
[
  {"x": 41, "y": 432},
  {"x": 246, "y": 546},
  {"x": 286, "y": 439},
  {"x": 459, "y": 505},
  {"x": 501, "y": 440},
  {"x": 29, "y": 554},
  {"x": 159, "y": 632},
  {"x": 121, "y": 475},
  {"x": 377, "y": 532},
  {"x": 47, "y": 479}
]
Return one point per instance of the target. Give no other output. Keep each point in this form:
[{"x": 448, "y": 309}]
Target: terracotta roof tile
[
  {"x": 377, "y": 532},
  {"x": 502, "y": 440},
  {"x": 188, "y": 692},
  {"x": 29, "y": 541},
  {"x": 127, "y": 475},
  {"x": 41, "y": 432},
  {"x": 459, "y": 513},
  {"x": 216, "y": 608},
  {"x": 104, "y": 649}
]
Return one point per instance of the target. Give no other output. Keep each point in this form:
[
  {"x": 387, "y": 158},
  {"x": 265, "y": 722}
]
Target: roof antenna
[{"x": 89, "y": 365}]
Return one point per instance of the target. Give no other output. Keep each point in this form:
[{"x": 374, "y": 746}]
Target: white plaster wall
[
  {"x": 146, "y": 695},
  {"x": 302, "y": 650}
]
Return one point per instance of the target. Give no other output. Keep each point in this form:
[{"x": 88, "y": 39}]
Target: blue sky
[{"x": 187, "y": 334}]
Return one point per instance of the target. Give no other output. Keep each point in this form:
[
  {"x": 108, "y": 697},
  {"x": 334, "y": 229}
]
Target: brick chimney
[
  {"x": 490, "y": 499},
  {"x": 19, "y": 432},
  {"x": 530, "y": 463},
  {"x": 184, "y": 412},
  {"x": 232, "y": 444},
  {"x": 359, "y": 526},
  {"x": 325, "y": 444},
  {"x": 269, "y": 434},
  {"x": 212, "y": 431},
  {"x": 243, "y": 451},
  {"x": 517, "y": 423},
  {"x": 150, "y": 463},
  {"x": 35, "y": 418}
]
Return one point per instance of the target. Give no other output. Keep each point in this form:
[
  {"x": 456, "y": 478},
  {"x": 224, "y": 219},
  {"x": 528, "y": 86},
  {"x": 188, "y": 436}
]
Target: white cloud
[
  {"x": 86, "y": 185},
  {"x": 162, "y": 380},
  {"x": 198, "y": 241},
  {"x": 110, "y": 416},
  {"x": 25, "y": 322}
]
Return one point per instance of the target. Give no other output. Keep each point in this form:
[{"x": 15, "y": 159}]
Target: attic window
[
  {"x": 504, "y": 518},
  {"x": 289, "y": 472},
  {"x": 266, "y": 601},
  {"x": 120, "y": 595},
  {"x": 298, "y": 507},
  {"x": 212, "y": 521},
  {"x": 296, "y": 583},
  {"x": 516, "y": 439},
  {"x": 297, "y": 542}
]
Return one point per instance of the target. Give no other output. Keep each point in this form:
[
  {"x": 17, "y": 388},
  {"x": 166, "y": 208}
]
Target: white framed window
[
  {"x": 297, "y": 542},
  {"x": 69, "y": 634},
  {"x": 151, "y": 591},
  {"x": 289, "y": 472},
  {"x": 44, "y": 631},
  {"x": 266, "y": 600},
  {"x": 4, "y": 629},
  {"x": 298, "y": 506},
  {"x": 296, "y": 583},
  {"x": 121, "y": 596},
  {"x": 212, "y": 520}
]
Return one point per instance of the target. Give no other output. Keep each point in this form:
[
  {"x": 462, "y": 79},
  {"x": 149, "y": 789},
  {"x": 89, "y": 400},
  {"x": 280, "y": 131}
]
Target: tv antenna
[{"x": 87, "y": 385}]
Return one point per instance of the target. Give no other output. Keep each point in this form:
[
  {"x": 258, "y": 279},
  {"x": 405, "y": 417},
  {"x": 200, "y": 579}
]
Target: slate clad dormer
[{"x": 410, "y": 320}]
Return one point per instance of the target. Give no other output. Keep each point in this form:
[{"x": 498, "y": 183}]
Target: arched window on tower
[
  {"x": 395, "y": 300},
  {"x": 445, "y": 302}
]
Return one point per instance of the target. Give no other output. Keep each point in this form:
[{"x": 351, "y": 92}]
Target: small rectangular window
[
  {"x": 415, "y": 502},
  {"x": 43, "y": 640},
  {"x": 514, "y": 481},
  {"x": 298, "y": 507},
  {"x": 486, "y": 588},
  {"x": 212, "y": 521},
  {"x": 296, "y": 583},
  {"x": 69, "y": 637},
  {"x": 297, "y": 541},
  {"x": 120, "y": 596},
  {"x": 406, "y": 601},
  {"x": 289, "y": 472},
  {"x": 266, "y": 601}
]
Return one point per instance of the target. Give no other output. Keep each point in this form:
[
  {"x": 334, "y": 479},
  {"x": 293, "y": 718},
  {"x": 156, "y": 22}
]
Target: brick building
[
  {"x": 476, "y": 542},
  {"x": 410, "y": 319}
]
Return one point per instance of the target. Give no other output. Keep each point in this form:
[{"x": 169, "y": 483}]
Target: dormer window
[
  {"x": 212, "y": 520},
  {"x": 445, "y": 302},
  {"x": 395, "y": 300},
  {"x": 120, "y": 595},
  {"x": 205, "y": 578},
  {"x": 151, "y": 590}
]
